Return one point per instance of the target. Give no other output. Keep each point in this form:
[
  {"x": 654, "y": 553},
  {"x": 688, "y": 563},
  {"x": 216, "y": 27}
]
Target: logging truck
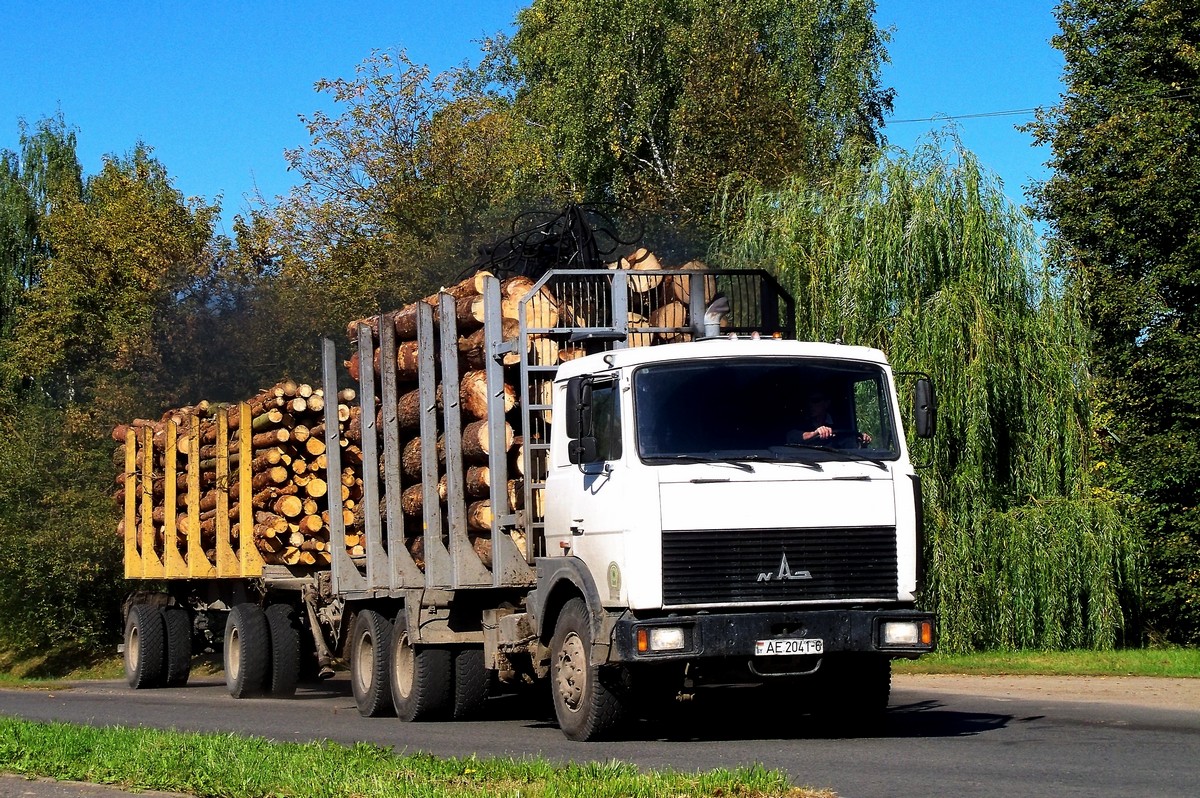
[{"x": 599, "y": 479}]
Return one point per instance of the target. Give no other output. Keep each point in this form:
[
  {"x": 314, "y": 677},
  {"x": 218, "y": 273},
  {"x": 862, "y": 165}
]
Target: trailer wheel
[
  {"x": 247, "y": 651},
  {"x": 178, "y": 624},
  {"x": 590, "y": 701},
  {"x": 145, "y": 647},
  {"x": 285, "y": 651},
  {"x": 420, "y": 677},
  {"x": 369, "y": 664},
  {"x": 472, "y": 682}
]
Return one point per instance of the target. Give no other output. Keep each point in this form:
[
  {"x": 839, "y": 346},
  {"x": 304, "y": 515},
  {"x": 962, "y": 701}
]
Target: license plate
[{"x": 789, "y": 646}]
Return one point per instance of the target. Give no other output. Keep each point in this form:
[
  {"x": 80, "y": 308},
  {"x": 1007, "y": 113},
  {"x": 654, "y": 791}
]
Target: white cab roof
[{"x": 717, "y": 348}]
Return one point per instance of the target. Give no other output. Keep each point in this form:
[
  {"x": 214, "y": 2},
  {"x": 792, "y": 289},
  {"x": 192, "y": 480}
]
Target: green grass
[
  {"x": 238, "y": 767},
  {"x": 48, "y": 668},
  {"x": 1174, "y": 662}
]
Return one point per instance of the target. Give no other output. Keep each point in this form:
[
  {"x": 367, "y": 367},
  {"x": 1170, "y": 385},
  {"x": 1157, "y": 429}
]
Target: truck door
[{"x": 594, "y": 486}]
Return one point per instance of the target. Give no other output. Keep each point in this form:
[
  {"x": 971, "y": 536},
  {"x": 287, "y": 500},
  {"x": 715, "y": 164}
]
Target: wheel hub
[
  {"x": 365, "y": 661},
  {"x": 404, "y": 663},
  {"x": 233, "y": 653},
  {"x": 572, "y": 671},
  {"x": 132, "y": 648}
]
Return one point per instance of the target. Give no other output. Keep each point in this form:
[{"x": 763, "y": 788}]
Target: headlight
[
  {"x": 907, "y": 633},
  {"x": 660, "y": 638}
]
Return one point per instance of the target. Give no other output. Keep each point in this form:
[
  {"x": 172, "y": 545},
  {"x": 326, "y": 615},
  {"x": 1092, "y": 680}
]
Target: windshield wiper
[
  {"x": 695, "y": 458},
  {"x": 831, "y": 450}
]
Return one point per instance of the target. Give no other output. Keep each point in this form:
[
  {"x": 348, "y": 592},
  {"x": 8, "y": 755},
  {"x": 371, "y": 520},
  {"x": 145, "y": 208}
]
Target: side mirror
[
  {"x": 925, "y": 408},
  {"x": 582, "y": 450},
  {"x": 578, "y": 398},
  {"x": 581, "y": 442}
]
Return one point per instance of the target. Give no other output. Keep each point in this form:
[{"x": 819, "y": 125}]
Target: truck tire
[
  {"x": 869, "y": 687},
  {"x": 420, "y": 677},
  {"x": 590, "y": 701},
  {"x": 850, "y": 694},
  {"x": 247, "y": 651},
  {"x": 369, "y": 646},
  {"x": 472, "y": 682},
  {"x": 178, "y": 624},
  {"x": 145, "y": 647},
  {"x": 285, "y": 651}
]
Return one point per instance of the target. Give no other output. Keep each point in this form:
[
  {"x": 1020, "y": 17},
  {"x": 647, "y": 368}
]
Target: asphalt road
[{"x": 952, "y": 738}]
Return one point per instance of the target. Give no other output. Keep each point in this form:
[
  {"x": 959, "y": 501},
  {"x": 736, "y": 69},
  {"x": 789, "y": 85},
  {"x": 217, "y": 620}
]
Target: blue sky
[{"x": 216, "y": 88}]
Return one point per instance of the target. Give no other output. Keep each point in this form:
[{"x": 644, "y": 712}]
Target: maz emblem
[{"x": 784, "y": 574}]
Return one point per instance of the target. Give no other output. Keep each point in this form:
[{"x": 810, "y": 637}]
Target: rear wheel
[
  {"x": 178, "y": 624},
  {"x": 420, "y": 677},
  {"x": 285, "y": 651},
  {"x": 369, "y": 664},
  {"x": 145, "y": 647},
  {"x": 590, "y": 701},
  {"x": 472, "y": 682},
  {"x": 247, "y": 651}
]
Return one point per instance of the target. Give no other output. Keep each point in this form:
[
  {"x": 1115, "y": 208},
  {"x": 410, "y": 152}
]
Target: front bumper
[{"x": 734, "y": 635}]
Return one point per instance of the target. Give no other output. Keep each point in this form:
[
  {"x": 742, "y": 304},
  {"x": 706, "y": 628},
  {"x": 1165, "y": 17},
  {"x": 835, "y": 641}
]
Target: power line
[
  {"x": 1129, "y": 97},
  {"x": 984, "y": 115}
]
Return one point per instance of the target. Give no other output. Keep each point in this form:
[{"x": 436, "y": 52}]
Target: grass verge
[
  {"x": 48, "y": 668},
  {"x": 1166, "y": 662},
  {"x": 239, "y": 767}
]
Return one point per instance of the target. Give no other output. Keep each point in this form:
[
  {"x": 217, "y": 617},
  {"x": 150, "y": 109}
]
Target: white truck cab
[{"x": 715, "y": 529}]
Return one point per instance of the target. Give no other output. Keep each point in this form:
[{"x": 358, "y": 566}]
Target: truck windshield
[{"x": 781, "y": 408}]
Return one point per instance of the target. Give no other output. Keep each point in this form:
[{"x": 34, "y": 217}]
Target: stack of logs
[
  {"x": 656, "y": 300},
  {"x": 289, "y": 501},
  {"x": 473, "y": 401},
  {"x": 659, "y": 300},
  {"x": 288, "y": 474}
]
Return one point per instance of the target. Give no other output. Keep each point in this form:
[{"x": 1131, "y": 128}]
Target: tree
[
  {"x": 654, "y": 103},
  {"x": 921, "y": 255},
  {"x": 118, "y": 258},
  {"x": 98, "y": 272},
  {"x": 44, "y": 174},
  {"x": 1122, "y": 205},
  {"x": 399, "y": 188}
]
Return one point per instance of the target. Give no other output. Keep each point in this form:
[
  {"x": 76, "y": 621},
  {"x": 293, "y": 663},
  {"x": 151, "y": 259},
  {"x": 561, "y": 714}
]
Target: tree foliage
[
  {"x": 45, "y": 173},
  {"x": 1123, "y": 208},
  {"x": 117, "y": 259},
  {"x": 100, "y": 272},
  {"x": 922, "y": 256},
  {"x": 402, "y": 183},
  {"x": 654, "y": 103}
]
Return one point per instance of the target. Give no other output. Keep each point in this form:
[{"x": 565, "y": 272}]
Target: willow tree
[{"x": 921, "y": 255}]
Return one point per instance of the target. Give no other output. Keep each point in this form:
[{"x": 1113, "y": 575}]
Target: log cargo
[{"x": 285, "y": 428}]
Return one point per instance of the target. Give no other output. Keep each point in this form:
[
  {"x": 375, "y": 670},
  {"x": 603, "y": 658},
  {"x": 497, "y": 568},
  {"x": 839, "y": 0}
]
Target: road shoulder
[{"x": 1148, "y": 691}]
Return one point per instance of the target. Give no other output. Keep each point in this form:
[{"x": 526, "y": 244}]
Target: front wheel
[
  {"x": 852, "y": 692},
  {"x": 590, "y": 701}
]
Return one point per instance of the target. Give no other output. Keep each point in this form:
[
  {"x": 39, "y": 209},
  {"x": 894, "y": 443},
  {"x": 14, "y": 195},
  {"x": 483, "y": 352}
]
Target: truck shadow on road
[{"x": 734, "y": 718}]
